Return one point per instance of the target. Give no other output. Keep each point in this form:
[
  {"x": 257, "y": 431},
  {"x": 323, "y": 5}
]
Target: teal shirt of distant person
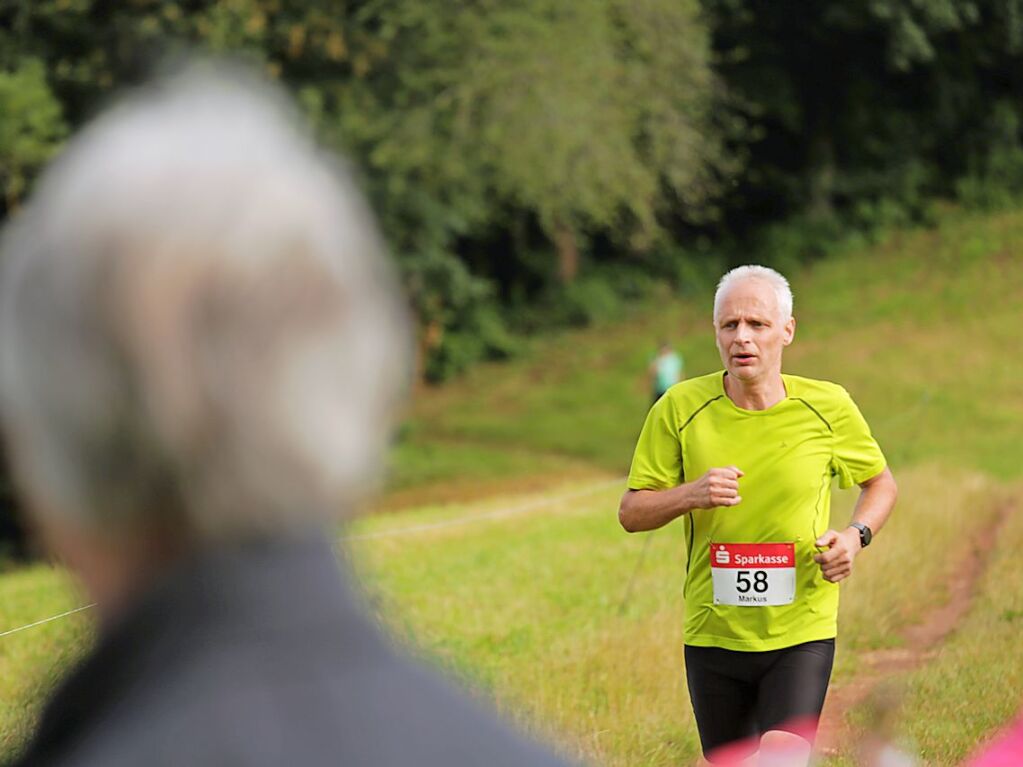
[{"x": 666, "y": 370}]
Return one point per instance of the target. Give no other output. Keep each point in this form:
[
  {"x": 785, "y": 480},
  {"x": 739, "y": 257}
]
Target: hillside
[
  {"x": 502, "y": 560},
  {"x": 920, "y": 328},
  {"x": 574, "y": 627}
]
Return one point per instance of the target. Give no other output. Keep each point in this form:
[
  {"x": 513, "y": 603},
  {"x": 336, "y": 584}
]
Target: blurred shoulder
[{"x": 384, "y": 710}]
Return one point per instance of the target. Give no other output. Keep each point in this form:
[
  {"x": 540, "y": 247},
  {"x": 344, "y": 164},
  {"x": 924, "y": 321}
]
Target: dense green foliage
[
  {"x": 513, "y": 148},
  {"x": 30, "y": 126},
  {"x": 920, "y": 344},
  {"x": 866, "y": 109},
  {"x": 497, "y": 139}
]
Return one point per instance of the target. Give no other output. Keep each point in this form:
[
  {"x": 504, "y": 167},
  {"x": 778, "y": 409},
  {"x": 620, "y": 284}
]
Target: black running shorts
[{"x": 737, "y": 696}]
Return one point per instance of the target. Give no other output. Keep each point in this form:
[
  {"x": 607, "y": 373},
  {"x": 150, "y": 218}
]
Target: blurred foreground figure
[{"x": 201, "y": 346}]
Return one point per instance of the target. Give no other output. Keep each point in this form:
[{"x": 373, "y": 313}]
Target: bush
[
  {"x": 995, "y": 178},
  {"x": 998, "y": 185},
  {"x": 787, "y": 245},
  {"x": 588, "y": 300},
  {"x": 481, "y": 335},
  {"x": 693, "y": 273},
  {"x": 459, "y": 320}
]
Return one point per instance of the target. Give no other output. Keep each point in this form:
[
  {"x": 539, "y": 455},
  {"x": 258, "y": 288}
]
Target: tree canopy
[{"x": 538, "y": 153}]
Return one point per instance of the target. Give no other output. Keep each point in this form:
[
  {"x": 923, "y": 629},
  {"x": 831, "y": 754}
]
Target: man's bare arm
[
  {"x": 641, "y": 510},
  {"x": 876, "y": 501},
  {"x": 873, "y": 507}
]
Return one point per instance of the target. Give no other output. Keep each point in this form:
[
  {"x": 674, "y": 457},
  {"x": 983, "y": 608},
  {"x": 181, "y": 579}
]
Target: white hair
[
  {"x": 199, "y": 326},
  {"x": 778, "y": 284}
]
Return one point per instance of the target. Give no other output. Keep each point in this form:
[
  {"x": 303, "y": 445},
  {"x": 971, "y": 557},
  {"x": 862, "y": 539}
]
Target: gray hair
[
  {"x": 778, "y": 284},
  {"x": 199, "y": 326}
]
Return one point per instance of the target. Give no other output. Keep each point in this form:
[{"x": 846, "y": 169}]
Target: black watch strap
[{"x": 865, "y": 534}]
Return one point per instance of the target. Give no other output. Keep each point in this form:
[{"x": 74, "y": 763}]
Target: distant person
[
  {"x": 201, "y": 347},
  {"x": 746, "y": 456},
  {"x": 666, "y": 369}
]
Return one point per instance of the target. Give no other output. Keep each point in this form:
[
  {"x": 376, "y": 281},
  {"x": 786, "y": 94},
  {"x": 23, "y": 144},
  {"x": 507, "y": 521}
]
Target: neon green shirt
[{"x": 788, "y": 453}]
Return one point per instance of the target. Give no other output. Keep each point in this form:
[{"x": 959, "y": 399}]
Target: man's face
[{"x": 750, "y": 332}]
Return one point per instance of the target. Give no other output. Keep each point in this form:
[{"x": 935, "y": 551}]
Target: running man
[
  {"x": 746, "y": 456},
  {"x": 666, "y": 370}
]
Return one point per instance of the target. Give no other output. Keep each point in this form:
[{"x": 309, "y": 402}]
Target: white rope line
[
  {"x": 46, "y": 620},
  {"x": 496, "y": 514}
]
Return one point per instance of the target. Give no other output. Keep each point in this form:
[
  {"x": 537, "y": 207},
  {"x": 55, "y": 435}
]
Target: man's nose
[{"x": 742, "y": 333}]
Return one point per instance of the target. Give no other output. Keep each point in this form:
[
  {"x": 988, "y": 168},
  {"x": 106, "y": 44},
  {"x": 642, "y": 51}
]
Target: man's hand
[
  {"x": 718, "y": 487},
  {"x": 650, "y": 509},
  {"x": 836, "y": 563}
]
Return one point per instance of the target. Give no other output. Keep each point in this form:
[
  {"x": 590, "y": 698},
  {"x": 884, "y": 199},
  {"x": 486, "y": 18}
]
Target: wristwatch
[{"x": 865, "y": 534}]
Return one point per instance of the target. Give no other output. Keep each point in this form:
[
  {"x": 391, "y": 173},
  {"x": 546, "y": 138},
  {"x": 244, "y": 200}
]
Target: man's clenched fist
[{"x": 718, "y": 487}]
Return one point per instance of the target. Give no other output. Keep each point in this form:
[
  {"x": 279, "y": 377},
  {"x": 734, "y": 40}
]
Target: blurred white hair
[
  {"x": 199, "y": 325},
  {"x": 778, "y": 284}
]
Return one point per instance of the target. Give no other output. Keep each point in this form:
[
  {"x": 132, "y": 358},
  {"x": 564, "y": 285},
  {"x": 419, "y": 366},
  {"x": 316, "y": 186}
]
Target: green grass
[
  {"x": 32, "y": 660},
  {"x": 529, "y": 608},
  {"x": 976, "y": 683},
  {"x": 919, "y": 329}
]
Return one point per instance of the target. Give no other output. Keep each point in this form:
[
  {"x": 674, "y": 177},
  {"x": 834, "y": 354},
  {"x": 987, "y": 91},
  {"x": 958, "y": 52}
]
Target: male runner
[{"x": 746, "y": 455}]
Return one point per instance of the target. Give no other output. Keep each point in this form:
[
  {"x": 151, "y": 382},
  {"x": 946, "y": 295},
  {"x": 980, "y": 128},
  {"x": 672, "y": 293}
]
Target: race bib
[{"x": 753, "y": 574}]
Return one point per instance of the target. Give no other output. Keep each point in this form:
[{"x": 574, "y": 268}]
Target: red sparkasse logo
[{"x": 751, "y": 556}]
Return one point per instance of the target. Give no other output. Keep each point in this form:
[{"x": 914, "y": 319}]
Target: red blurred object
[
  {"x": 734, "y": 754},
  {"x": 1006, "y": 751}
]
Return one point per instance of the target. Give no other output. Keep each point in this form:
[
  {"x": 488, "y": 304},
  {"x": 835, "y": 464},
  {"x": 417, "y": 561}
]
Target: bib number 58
[
  {"x": 743, "y": 583},
  {"x": 753, "y": 574}
]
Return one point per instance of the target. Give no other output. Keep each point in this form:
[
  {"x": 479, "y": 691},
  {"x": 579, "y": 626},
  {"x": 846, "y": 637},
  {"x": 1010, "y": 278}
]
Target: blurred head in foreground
[
  {"x": 201, "y": 346},
  {"x": 200, "y": 336}
]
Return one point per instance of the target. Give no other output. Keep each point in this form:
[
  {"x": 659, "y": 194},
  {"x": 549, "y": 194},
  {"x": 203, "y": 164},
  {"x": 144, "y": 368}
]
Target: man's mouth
[{"x": 743, "y": 356}]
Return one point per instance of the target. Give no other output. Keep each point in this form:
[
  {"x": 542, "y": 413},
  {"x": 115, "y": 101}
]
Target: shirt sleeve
[
  {"x": 857, "y": 457},
  {"x": 657, "y": 461}
]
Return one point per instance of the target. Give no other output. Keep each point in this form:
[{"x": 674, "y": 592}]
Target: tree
[
  {"x": 31, "y": 127},
  {"x": 589, "y": 116},
  {"x": 863, "y": 105}
]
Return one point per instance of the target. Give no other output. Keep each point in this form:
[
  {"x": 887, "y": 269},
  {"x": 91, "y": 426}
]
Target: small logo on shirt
[{"x": 722, "y": 557}]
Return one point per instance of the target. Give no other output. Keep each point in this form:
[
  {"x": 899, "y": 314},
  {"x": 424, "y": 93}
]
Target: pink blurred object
[{"x": 1006, "y": 751}]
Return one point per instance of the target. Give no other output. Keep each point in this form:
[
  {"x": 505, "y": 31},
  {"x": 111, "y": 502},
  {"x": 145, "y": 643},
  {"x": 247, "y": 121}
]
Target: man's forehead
[{"x": 748, "y": 294}]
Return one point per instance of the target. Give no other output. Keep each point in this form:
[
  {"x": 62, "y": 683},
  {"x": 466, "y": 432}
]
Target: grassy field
[
  {"x": 976, "y": 682},
  {"x": 32, "y": 660},
  {"x": 918, "y": 328},
  {"x": 529, "y": 601},
  {"x": 532, "y": 608}
]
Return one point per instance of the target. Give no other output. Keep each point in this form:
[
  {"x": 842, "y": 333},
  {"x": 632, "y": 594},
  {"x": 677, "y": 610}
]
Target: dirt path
[
  {"x": 921, "y": 641},
  {"x": 477, "y": 490},
  {"x": 548, "y": 470}
]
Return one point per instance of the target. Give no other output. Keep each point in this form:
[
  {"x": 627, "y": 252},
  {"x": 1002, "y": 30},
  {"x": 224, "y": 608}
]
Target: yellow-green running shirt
[{"x": 788, "y": 453}]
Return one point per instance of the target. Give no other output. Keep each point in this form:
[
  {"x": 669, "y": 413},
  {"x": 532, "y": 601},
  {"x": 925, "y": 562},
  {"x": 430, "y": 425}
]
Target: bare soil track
[{"x": 920, "y": 643}]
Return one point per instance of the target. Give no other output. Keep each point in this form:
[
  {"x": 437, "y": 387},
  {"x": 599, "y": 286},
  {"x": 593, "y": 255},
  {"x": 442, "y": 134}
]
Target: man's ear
[{"x": 790, "y": 331}]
